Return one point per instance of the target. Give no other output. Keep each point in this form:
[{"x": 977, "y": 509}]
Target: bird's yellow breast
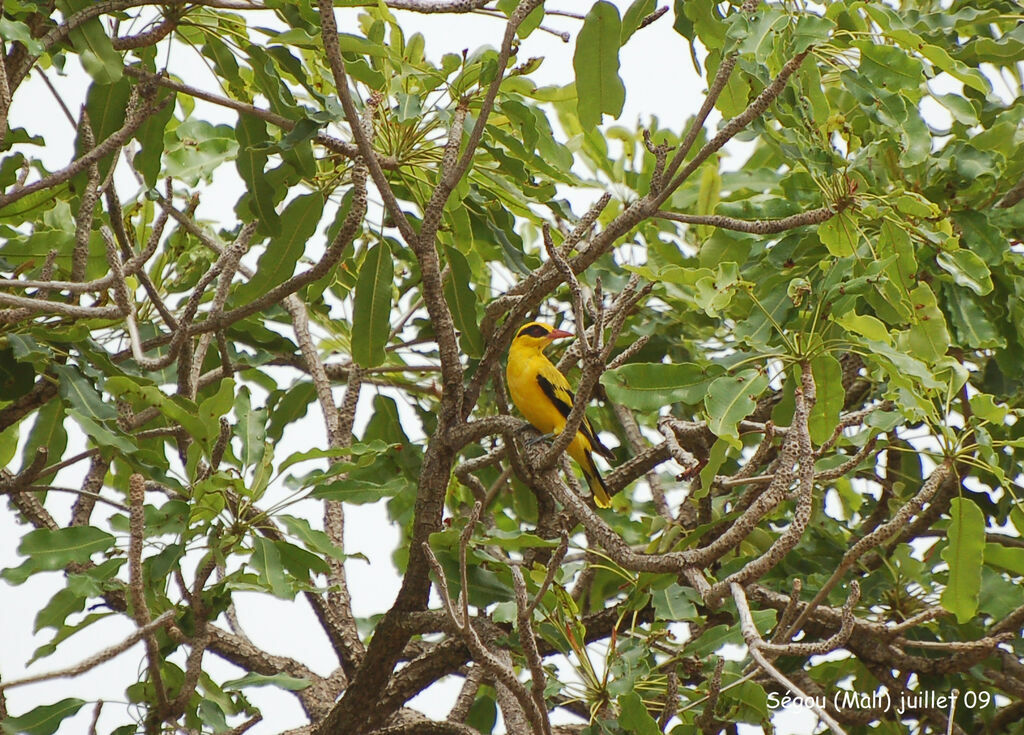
[{"x": 524, "y": 365}]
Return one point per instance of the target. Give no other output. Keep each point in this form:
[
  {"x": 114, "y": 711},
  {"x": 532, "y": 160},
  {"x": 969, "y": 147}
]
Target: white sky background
[{"x": 660, "y": 80}]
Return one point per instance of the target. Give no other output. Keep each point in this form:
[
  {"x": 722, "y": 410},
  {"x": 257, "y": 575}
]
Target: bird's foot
[{"x": 540, "y": 438}]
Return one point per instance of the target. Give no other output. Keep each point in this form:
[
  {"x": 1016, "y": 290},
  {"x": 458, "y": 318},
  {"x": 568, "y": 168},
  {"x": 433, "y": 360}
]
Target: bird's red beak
[{"x": 558, "y": 334}]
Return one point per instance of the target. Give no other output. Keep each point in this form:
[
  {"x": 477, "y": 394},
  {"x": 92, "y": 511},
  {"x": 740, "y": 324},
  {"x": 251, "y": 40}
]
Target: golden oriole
[{"x": 542, "y": 395}]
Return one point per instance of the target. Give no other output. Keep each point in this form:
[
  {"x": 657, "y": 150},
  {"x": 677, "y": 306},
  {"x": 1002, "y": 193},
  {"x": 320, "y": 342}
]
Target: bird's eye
[{"x": 534, "y": 330}]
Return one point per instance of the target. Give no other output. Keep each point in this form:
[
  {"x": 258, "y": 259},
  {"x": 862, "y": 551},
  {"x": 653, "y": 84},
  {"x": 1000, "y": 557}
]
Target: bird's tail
[{"x": 596, "y": 483}]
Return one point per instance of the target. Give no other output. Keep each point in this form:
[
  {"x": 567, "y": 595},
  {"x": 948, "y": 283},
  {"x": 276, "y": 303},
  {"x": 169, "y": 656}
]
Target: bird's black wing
[{"x": 563, "y": 399}]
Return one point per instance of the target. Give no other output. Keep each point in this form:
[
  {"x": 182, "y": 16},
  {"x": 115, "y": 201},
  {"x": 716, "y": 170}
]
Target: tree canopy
[{"x": 811, "y": 363}]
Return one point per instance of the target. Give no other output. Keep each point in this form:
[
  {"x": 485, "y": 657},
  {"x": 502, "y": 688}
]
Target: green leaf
[
  {"x": 314, "y": 540},
  {"x": 828, "y": 381},
  {"x": 596, "y": 64},
  {"x": 756, "y": 32},
  {"x": 985, "y": 407},
  {"x": 107, "y": 104},
  {"x": 634, "y": 717},
  {"x": 973, "y": 78},
  {"x": 959, "y": 108},
  {"x": 251, "y": 428},
  {"x": 251, "y": 161},
  {"x": 55, "y": 612},
  {"x": 462, "y": 301},
  {"x": 48, "y": 550},
  {"x": 8, "y": 444},
  {"x": 928, "y": 338},
  {"x": 719, "y": 451},
  {"x": 699, "y": 19},
  {"x": 43, "y": 720},
  {"x": 964, "y": 555},
  {"x": 300, "y": 563},
  {"x": 916, "y": 205},
  {"x": 839, "y": 234},
  {"x": 89, "y": 409},
  {"x": 48, "y": 431},
  {"x": 713, "y": 638},
  {"x": 409, "y": 107},
  {"x": 277, "y": 263},
  {"x": 714, "y": 292},
  {"x": 50, "y": 647},
  {"x": 358, "y": 491},
  {"x": 175, "y": 408},
  {"x": 293, "y": 405},
  {"x": 14, "y": 30},
  {"x": 371, "y": 312},
  {"x": 217, "y": 405},
  {"x": 864, "y": 325},
  {"x": 195, "y": 149},
  {"x": 96, "y": 51},
  {"x": 101, "y": 434},
  {"x": 634, "y": 16},
  {"x": 266, "y": 560},
  {"x": 811, "y": 30},
  {"x": 967, "y": 270},
  {"x": 905, "y": 364},
  {"x": 151, "y": 139},
  {"x": 972, "y": 326},
  {"x": 708, "y": 195},
  {"x": 730, "y": 399},
  {"x": 646, "y": 386},
  {"x": 516, "y": 540},
  {"x": 674, "y": 603},
  {"x": 16, "y": 378},
  {"x": 361, "y": 449},
  {"x": 281, "y": 681},
  {"x": 1005, "y": 557},
  {"x": 889, "y": 66},
  {"x": 80, "y": 393},
  {"x": 483, "y": 714},
  {"x": 755, "y": 702},
  {"x": 33, "y": 204}
]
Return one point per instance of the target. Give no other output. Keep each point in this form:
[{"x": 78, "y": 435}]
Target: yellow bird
[{"x": 542, "y": 395}]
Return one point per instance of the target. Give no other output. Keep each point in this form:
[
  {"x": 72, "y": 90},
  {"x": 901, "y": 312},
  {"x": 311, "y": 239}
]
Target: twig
[
  {"x": 754, "y": 110},
  {"x": 96, "y": 659},
  {"x": 83, "y": 217},
  {"x": 667, "y": 428},
  {"x": 706, "y": 720},
  {"x": 135, "y": 117},
  {"x": 755, "y": 645},
  {"x": 459, "y": 618},
  {"x": 880, "y": 534},
  {"x": 329, "y": 142},
  {"x": 805, "y": 397},
  {"x": 97, "y": 708},
  {"x": 757, "y": 226},
  {"x": 232, "y": 256},
  {"x": 827, "y": 645},
  {"x": 245, "y": 726},
  {"x": 529, "y": 642},
  {"x": 467, "y": 695},
  {"x": 554, "y": 564},
  {"x": 714, "y": 92},
  {"x": 329, "y": 34},
  {"x": 593, "y": 364},
  {"x": 137, "y": 593},
  {"x": 638, "y": 443}
]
